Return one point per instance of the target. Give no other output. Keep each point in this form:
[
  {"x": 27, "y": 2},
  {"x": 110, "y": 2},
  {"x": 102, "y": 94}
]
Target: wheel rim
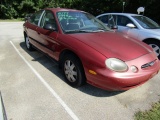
[
  {"x": 27, "y": 42},
  {"x": 155, "y": 48},
  {"x": 70, "y": 71}
]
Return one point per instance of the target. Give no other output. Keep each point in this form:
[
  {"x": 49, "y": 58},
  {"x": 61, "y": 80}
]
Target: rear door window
[{"x": 34, "y": 19}]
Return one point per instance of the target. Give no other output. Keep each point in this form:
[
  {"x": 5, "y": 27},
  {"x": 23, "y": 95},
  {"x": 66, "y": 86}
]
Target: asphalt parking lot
[{"x": 33, "y": 87}]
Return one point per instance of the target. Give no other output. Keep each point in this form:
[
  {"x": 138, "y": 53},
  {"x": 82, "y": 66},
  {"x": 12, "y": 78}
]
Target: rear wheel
[
  {"x": 28, "y": 44},
  {"x": 155, "y": 44},
  {"x": 73, "y": 70}
]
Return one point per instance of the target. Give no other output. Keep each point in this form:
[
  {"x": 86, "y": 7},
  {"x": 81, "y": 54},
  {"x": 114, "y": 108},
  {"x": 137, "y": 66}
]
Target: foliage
[
  {"x": 97, "y": 7},
  {"x": 8, "y": 12},
  {"x": 151, "y": 8},
  {"x": 153, "y": 114},
  {"x": 19, "y": 8}
]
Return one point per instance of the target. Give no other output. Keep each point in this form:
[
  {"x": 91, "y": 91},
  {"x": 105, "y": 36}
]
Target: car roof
[
  {"x": 126, "y": 14},
  {"x": 62, "y": 9}
]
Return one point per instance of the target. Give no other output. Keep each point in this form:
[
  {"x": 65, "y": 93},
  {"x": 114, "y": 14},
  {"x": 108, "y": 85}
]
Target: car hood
[{"x": 113, "y": 45}]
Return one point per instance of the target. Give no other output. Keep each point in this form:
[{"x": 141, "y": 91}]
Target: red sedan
[{"x": 88, "y": 51}]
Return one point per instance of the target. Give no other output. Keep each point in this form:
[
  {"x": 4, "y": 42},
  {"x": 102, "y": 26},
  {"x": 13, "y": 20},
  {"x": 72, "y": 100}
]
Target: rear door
[{"x": 32, "y": 26}]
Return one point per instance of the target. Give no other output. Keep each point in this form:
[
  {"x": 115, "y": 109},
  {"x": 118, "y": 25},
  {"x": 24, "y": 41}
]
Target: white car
[{"x": 135, "y": 26}]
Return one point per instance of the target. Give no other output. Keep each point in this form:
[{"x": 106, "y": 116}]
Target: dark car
[{"x": 88, "y": 51}]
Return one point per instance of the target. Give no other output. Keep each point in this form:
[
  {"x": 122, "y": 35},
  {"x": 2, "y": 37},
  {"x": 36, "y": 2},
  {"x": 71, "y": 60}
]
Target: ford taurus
[{"x": 88, "y": 51}]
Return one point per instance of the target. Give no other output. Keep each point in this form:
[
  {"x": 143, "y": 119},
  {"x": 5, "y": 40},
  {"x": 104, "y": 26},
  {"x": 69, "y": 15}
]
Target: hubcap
[
  {"x": 70, "y": 71},
  {"x": 155, "y": 48},
  {"x": 27, "y": 42}
]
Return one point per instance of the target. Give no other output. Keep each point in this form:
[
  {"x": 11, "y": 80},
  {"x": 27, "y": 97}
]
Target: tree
[
  {"x": 19, "y": 8},
  {"x": 7, "y": 10}
]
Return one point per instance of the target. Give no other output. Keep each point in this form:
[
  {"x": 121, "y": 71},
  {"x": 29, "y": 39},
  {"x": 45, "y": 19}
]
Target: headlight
[{"x": 116, "y": 65}]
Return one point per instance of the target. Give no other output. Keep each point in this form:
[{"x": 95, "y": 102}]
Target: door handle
[{"x": 37, "y": 31}]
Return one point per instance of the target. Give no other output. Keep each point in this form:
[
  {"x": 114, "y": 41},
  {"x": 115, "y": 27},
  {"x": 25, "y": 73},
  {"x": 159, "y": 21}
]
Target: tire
[
  {"x": 28, "y": 44},
  {"x": 155, "y": 44},
  {"x": 73, "y": 71}
]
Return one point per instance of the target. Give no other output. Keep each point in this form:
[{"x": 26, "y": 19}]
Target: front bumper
[{"x": 110, "y": 80}]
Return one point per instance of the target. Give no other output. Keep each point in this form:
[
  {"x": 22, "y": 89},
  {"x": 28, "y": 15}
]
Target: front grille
[{"x": 148, "y": 64}]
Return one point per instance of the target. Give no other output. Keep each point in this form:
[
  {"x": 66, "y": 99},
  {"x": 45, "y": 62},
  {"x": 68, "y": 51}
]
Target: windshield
[
  {"x": 146, "y": 22},
  {"x": 75, "y": 22}
]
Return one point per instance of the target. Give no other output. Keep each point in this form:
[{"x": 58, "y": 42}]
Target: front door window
[{"x": 48, "y": 18}]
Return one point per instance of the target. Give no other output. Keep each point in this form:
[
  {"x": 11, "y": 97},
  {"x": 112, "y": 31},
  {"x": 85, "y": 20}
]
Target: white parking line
[{"x": 69, "y": 111}]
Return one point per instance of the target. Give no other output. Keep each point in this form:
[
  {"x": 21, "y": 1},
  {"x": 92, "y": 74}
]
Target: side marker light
[{"x": 92, "y": 72}]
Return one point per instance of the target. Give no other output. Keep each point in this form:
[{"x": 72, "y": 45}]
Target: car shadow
[{"x": 53, "y": 67}]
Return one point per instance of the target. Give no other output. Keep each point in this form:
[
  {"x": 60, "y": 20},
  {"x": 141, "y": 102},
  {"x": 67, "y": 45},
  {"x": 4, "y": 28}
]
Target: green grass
[
  {"x": 12, "y": 20},
  {"x": 152, "y": 114}
]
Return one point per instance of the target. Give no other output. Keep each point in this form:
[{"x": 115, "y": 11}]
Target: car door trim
[
  {"x": 40, "y": 43},
  {"x": 40, "y": 18}
]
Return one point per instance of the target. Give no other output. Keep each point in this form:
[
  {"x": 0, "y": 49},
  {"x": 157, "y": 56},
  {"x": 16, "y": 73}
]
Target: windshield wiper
[
  {"x": 99, "y": 31},
  {"x": 75, "y": 31}
]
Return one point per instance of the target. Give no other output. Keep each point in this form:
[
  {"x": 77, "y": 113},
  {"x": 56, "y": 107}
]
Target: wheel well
[
  {"x": 149, "y": 39},
  {"x": 25, "y": 34},
  {"x": 65, "y": 52}
]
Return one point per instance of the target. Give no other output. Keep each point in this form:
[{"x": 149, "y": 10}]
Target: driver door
[
  {"x": 122, "y": 22},
  {"x": 48, "y": 38}
]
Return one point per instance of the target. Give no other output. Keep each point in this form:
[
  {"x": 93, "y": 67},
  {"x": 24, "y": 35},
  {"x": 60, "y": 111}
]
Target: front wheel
[
  {"x": 73, "y": 71},
  {"x": 155, "y": 44}
]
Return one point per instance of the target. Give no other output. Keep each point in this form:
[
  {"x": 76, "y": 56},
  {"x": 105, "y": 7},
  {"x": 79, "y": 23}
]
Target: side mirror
[
  {"x": 27, "y": 17},
  {"x": 50, "y": 27},
  {"x": 114, "y": 27},
  {"x": 130, "y": 25}
]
